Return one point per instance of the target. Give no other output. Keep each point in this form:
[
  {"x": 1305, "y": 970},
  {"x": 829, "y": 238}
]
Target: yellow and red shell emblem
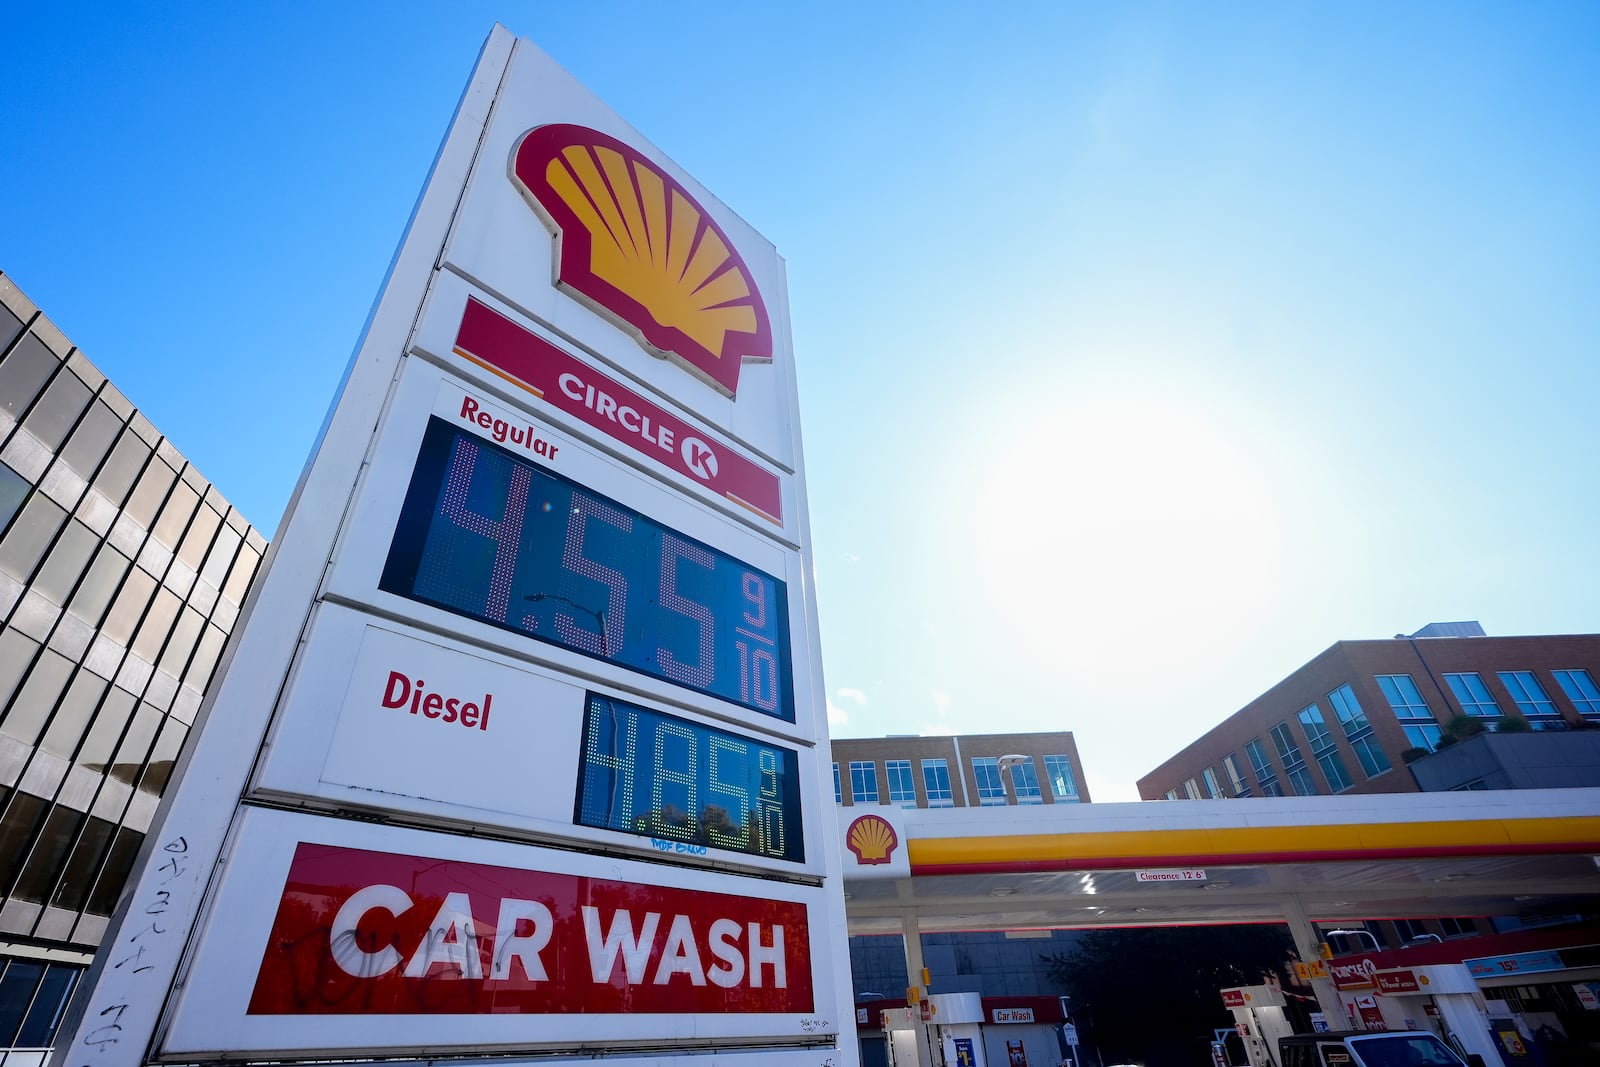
[
  {"x": 872, "y": 839},
  {"x": 634, "y": 244}
]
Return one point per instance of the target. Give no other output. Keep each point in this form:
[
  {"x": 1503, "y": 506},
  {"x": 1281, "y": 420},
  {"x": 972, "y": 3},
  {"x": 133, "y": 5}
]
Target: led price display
[
  {"x": 684, "y": 784},
  {"x": 490, "y": 535}
]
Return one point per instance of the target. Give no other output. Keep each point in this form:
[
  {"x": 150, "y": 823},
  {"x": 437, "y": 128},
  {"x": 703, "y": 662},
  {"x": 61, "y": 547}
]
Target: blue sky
[{"x": 1145, "y": 350}]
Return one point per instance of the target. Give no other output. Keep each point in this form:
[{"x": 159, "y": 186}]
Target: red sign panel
[
  {"x": 1353, "y": 974},
  {"x": 1233, "y": 998},
  {"x": 1397, "y": 982},
  {"x": 527, "y": 360},
  {"x": 383, "y": 934}
]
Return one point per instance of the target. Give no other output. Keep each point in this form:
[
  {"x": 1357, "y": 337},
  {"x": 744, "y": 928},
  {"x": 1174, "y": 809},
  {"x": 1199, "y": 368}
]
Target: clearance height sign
[{"x": 520, "y": 748}]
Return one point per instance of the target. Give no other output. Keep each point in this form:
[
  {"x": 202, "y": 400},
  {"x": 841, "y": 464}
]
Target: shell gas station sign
[{"x": 520, "y": 747}]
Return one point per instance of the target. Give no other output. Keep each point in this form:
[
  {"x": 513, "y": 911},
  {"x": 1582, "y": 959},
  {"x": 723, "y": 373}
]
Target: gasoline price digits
[
  {"x": 490, "y": 535},
  {"x": 659, "y": 776}
]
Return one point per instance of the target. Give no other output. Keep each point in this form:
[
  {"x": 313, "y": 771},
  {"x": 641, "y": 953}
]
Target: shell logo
[
  {"x": 872, "y": 839},
  {"x": 636, "y": 246}
]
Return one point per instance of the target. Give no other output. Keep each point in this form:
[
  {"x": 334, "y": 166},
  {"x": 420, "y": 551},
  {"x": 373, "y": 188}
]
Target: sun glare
[{"x": 1149, "y": 517}]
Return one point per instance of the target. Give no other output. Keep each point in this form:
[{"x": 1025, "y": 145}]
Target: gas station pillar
[{"x": 1308, "y": 944}]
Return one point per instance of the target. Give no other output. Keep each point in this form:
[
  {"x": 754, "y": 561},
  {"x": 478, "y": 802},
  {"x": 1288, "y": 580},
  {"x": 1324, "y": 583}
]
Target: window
[
  {"x": 1230, "y": 764},
  {"x": 14, "y": 489},
  {"x": 1580, "y": 689},
  {"x": 1531, "y": 700},
  {"x": 838, "y": 787},
  {"x": 902, "y": 789},
  {"x": 1474, "y": 786},
  {"x": 1172, "y": 794},
  {"x": 1358, "y": 731},
  {"x": 1411, "y": 929},
  {"x": 33, "y": 995},
  {"x": 1294, "y": 764},
  {"x": 991, "y": 790},
  {"x": 29, "y": 536},
  {"x": 56, "y": 412},
  {"x": 1473, "y": 695},
  {"x": 1457, "y": 927},
  {"x": 1062, "y": 781},
  {"x": 24, "y": 373},
  {"x": 1410, "y": 710},
  {"x": 1213, "y": 790},
  {"x": 864, "y": 781},
  {"x": 1266, "y": 777},
  {"x": 1025, "y": 782},
  {"x": 1323, "y": 750},
  {"x": 1191, "y": 789},
  {"x": 936, "y": 783}
]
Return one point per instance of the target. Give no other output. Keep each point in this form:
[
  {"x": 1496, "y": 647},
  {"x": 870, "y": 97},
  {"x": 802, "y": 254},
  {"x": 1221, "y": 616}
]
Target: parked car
[{"x": 1367, "y": 1048}]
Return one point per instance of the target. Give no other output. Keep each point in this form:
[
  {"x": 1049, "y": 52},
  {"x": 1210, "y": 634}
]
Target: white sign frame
[
  {"x": 211, "y": 1020},
  {"x": 141, "y": 981},
  {"x": 320, "y": 748}
]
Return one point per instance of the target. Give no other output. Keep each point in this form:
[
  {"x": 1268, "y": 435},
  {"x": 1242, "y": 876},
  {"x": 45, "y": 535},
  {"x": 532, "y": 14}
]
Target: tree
[
  {"x": 1459, "y": 728},
  {"x": 1151, "y": 995}
]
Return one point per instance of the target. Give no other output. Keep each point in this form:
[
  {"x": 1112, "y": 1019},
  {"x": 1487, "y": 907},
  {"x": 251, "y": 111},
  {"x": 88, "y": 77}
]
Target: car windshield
[{"x": 1410, "y": 1050}]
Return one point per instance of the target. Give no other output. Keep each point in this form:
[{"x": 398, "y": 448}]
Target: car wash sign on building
[{"x": 520, "y": 749}]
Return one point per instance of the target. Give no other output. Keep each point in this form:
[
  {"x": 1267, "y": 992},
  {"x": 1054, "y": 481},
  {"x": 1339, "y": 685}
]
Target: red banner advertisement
[
  {"x": 527, "y": 360},
  {"x": 361, "y": 932}
]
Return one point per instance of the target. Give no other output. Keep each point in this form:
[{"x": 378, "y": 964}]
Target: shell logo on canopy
[
  {"x": 872, "y": 839},
  {"x": 634, "y": 244}
]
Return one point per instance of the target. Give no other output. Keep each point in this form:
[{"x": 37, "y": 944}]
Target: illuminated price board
[
  {"x": 685, "y": 784},
  {"x": 488, "y": 534}
]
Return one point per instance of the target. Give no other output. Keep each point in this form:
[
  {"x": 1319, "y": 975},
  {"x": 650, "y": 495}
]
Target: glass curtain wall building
[{"x": 122, "y": 573}]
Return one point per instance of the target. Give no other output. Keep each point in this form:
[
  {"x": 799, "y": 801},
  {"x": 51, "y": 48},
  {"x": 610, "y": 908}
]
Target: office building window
[
  {"x": 936, "y": 783},
  {"x": 1025, "y": 782},
  {"x": 1473, "y": 695},
  {"x": 1358, "y": 731},
  {"x": 1191, "y": 789},
  {"x": 1580, "y": 689},
  {"x": 902, "y": 790},
  {"x": 1172, "y": 794},
  {"x": 864, "y": 781},
  {"x": 1294, "y": 764},
  {"x": 1230, "y": 764},
  {"x": 838, "y": 787},
  {"x": 14, "y": 489},
  {"x": 1213, "y": 790},
  {"x": 1531, "y": 700},
  {"x": 1410, "y": 710},
  {"x": 1323, "y": 750},
  {"x": 33, "y": 995},
  {"x": 1266, "y": 777},
  {"x": 1063, "y": 783},
  {"x": 991, "y": 790}
]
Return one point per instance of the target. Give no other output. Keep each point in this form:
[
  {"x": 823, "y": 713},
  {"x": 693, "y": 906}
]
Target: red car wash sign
[{"x": 381, "y": 934}]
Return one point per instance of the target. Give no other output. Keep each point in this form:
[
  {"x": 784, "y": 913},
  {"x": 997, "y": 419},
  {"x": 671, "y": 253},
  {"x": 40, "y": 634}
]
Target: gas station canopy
[{"x": 1331, "y": 859}]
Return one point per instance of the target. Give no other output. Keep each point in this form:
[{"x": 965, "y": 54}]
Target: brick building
[
  {"x": 971, "y": 770},
  {"x": 1348, "y": 720}
]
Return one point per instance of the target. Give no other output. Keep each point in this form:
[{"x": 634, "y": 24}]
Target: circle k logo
[{"x": 698, "y": 457}]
